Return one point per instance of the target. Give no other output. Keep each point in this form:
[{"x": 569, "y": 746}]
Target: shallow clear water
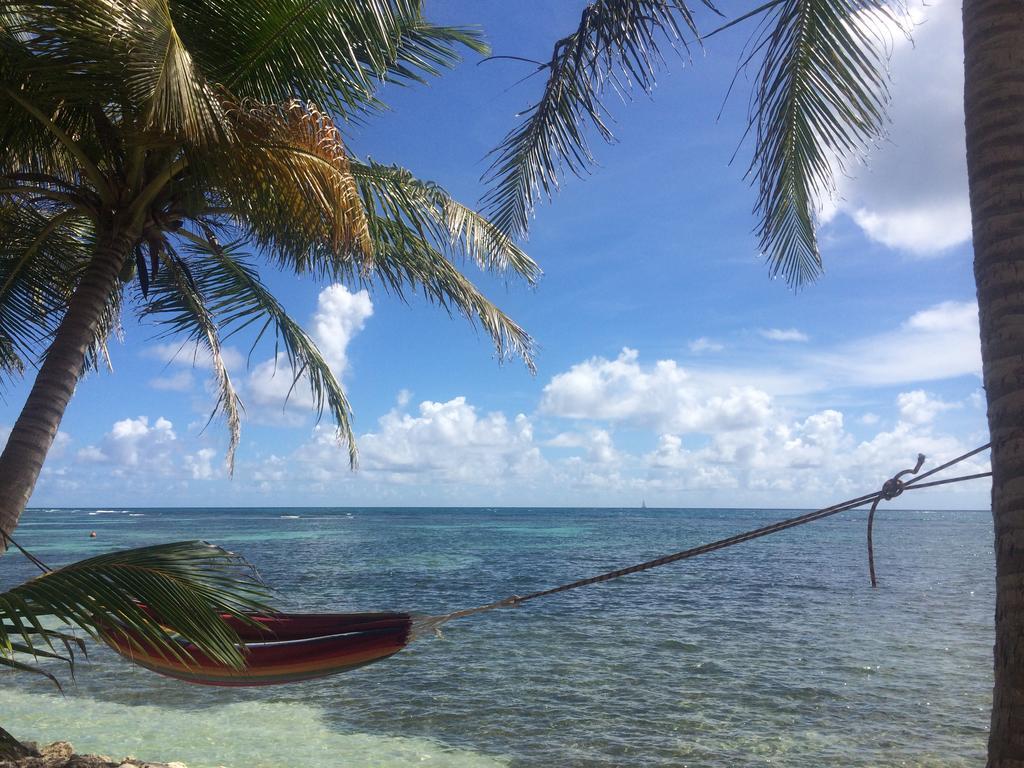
[{"x": 773, "y": 652}]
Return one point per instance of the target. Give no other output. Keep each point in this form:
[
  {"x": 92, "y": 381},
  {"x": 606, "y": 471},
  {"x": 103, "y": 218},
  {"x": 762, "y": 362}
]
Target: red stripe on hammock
[{"x": 284, "y": 648}]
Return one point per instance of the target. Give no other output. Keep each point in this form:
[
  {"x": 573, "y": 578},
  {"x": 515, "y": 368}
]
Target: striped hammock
[{"x": 283, "y": 648}]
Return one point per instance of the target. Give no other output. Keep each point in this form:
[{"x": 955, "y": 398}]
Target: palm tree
[
  {"x": 156, "y": 151},
  {"x": 819, "y": 99}
]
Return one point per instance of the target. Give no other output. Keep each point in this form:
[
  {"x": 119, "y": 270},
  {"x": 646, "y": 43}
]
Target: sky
[{"x": 670, "y": 368}]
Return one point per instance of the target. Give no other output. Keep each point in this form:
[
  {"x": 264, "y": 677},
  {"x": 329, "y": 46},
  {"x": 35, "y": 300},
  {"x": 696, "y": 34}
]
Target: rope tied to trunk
[{"x": 891, "y": 488}]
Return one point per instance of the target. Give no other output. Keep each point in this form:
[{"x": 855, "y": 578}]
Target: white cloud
[
  {"x": 912, "y": 194},
  {"x": 665, "y": 396},
  {"x": 451, "y": 441},
  {"x": 812, "y": 460},
  {"x": 200, "y": 464},
  {"x": 918, "y": 407},
  {"x": 133, "y": 443},
  {"x": 340, "y": 315},
  {"x": 939, "y": 342},
  {"x": 704, "y": 344},
  {"x": 443, "y": 443},
  {"x": 780, "y": 334},
  {"x": 598, "y": 444}
]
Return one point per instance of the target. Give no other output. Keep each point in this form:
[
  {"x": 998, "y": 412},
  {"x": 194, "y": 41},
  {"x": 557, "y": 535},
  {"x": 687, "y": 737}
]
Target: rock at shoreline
[{"x": 61, "y": 754}]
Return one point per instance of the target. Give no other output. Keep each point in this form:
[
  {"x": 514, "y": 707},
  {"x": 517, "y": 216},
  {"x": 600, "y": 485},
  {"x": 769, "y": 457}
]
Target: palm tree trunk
[
  {"x": 12, "y": 749},
  {"x": 994, "y": 107},
  {"x": 34, "y": 431}
]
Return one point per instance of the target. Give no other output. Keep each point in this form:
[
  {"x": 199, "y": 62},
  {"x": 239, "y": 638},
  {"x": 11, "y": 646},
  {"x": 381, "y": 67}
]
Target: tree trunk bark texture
[
  {"x": 994, "y": 109},
  {"x": 12, "y": 749},
  {"x": 34, "y": 431}
]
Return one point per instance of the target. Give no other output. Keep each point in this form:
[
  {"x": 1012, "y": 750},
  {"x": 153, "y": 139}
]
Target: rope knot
[{"x": 892, "y": 488}]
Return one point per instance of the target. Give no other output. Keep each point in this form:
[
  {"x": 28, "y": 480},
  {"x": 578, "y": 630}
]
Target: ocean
[{"x": 774, "y": 652}]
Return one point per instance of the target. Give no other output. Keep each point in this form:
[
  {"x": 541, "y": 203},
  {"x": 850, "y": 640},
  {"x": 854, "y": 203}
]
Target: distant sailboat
[{"x": 643, "y": 503}]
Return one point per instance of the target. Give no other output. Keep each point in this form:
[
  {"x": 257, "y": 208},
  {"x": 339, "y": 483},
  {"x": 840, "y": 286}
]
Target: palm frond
[
  {"x": 405, "y": 262},
  {"x": 20, "y": 666},
  {"x": 821, "y": 98},
  {"x": 164, "y": 80},
  {"x": 617, "y": 47},
  {"x": 40, "y": 256},
  {"x": 394, "y": 193},
  {"x": 287, "y": 183},
  {"x": 148, "y": 595},
  {"x": 334, "y": 53},
  {"x": 177, "y": 300},
  {"x": 236, "y": 300},
  {"x": 425, "y": 48}
]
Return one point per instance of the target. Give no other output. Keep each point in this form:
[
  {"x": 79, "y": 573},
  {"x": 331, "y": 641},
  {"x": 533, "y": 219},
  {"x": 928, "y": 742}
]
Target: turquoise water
[{"x": 774, "y": 652}]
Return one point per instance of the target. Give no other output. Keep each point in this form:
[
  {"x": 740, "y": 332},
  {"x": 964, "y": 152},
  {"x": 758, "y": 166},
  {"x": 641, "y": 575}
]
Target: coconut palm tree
[
  {"x": 819, "y": 98},
  {"x": 156, "y": 154}
]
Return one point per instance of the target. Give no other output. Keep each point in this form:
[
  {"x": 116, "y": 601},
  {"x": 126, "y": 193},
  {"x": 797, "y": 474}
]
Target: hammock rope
[
  {"x": 284, "y": 648},
  {"x": 892, "y": 488}
]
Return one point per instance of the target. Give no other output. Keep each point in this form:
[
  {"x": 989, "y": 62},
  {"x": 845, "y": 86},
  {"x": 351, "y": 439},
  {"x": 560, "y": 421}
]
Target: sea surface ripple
[{"x": 776, "y": 652}]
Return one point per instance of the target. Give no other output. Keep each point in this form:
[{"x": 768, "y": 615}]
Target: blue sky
[{"x": 670, "y": 367}]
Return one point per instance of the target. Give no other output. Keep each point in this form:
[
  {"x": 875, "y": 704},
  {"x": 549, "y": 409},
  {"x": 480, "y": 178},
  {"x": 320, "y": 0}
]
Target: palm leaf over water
[{"x": 187, "y": 585}]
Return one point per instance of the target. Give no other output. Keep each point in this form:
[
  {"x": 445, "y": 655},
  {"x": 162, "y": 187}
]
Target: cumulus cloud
[
  {"x": 919, "y": 407},
  {"x": 452, "y": 441},
  {"x": 597, "y": 444},
  {"x": 340, "y": 315},
  {"x": 781, "y": 334},
  {"x": 813, "y": 460},
  {"x": 200, "y": 464},
  {"x": 664, "y": 396},
  {"x": 133, "y": 443},
  {"x": 912, "y": 194},
  {"x": 446, "y": 443}
]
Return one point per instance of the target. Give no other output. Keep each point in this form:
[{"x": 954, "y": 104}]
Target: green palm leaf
[
  {"x": 150, "y": 595},
  {"x": 165, "y": 81},
  {"x": 405, "y": 262},
  {"x": 333, "y": 52},
  {"x": 41, "y": 254},
  {"x": 820, "y": 99},
  {"x": 178, "y": 302},
  {"x": 228, "y": 288},
  {"x": 616, "y": 47},
  {"x": 394, "y": 193}
]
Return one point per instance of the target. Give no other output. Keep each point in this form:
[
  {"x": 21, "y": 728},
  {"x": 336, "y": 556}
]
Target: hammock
[
  {"x": 287, "y": 648},
  {"x": 283, "y": 648}
]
